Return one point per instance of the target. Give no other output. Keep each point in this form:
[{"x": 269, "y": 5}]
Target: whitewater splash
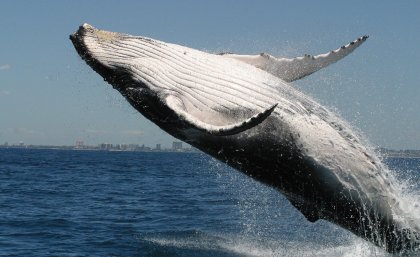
[
  {"x": 264, "y": 214},
  {"x": 240, "y": 110},
  {"x": 234, "y": 245},
  {"x": 408, "y": 194},
  {"x": 270, "y": 226}
]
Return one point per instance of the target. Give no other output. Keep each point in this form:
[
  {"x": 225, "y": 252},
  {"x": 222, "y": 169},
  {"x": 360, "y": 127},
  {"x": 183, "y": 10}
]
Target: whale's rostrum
[{"x": 240, "y": 110}]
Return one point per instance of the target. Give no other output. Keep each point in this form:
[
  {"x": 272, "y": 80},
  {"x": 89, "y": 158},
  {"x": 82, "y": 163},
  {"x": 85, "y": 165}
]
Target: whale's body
[{"x": 241, "y": 110}]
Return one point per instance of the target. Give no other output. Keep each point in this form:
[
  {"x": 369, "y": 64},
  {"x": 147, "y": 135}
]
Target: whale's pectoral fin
[
  {"x": 298, "y": 67},
  {"x": 227, "y": 130}
]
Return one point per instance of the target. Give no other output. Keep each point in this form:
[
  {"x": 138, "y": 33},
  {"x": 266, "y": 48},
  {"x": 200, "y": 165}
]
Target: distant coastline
[
  {"x": 176, "y": 147},
  {"x": 79, "y": 146},
  {"x": 389, "y": 153}
]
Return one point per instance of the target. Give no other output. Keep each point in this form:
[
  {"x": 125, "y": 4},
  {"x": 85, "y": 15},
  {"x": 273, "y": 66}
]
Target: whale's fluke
[{"x": 298, "y": 67}]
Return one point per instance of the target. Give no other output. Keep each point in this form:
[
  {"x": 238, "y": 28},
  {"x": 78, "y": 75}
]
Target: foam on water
[
  {"x": 241, "y": 246},
  {"x": 408, "y": 196}
]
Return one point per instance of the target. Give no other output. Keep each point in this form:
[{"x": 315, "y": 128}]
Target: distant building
[
  {"x": 105, "y": 146},
  {"x": 122, "y": 147},
  {"x": 6, "y": 144},
  {"x": 133, "y": 147},
  {"x": 80, "y": 144},
  {"x": 158, "y": 147},
  {"x": 21, "y": 144},
  {"x": 177, "y": 146}
]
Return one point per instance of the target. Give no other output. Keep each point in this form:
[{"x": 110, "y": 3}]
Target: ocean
[{"x": 99, "y": 203}]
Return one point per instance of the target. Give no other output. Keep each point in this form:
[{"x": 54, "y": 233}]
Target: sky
[{"x": 48, "y": 95}]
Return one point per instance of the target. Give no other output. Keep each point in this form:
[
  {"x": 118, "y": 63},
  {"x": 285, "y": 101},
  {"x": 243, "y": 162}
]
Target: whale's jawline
[
  {"x": 111, "y": 75},
  {"x": 81, "y": 48}
]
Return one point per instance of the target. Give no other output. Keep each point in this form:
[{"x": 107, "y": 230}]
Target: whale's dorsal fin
[
  {"x": 291, "y": 69},
  {"x": 225, "y": 130}
]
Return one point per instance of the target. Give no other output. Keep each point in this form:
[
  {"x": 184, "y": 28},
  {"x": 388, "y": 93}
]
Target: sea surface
[{"x": 98, "y": 203}]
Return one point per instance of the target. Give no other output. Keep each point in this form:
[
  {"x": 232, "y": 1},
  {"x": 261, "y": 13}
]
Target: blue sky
[{"x": 49, "y": 96}]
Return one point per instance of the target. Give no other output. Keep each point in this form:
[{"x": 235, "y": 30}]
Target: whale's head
[
  {"x": 124, "y": 66},
  {"x": 182, "y": 90}
]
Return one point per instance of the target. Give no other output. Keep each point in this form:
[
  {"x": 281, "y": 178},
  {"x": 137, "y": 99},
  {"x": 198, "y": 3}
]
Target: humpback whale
[{"x": 242, "y": 110}]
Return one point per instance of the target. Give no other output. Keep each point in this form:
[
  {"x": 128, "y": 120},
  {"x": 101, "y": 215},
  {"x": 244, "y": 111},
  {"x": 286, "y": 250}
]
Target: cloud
[
  {"x": 24, "y": 131},
  {"x": 95, "y": 131},
  {"x": 4, "y": 92},
  {"x": 132, "y": 132},
  {"x": 5, "y": 67}
]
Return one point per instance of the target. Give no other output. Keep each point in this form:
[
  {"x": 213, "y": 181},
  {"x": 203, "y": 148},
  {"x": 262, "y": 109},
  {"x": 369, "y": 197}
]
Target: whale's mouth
[
  {"x": 78, "y": 40},
  {"x": 89, "y": 43},
  {"x": 95, "y": 46},
  {"x": 101, "y": 50}
]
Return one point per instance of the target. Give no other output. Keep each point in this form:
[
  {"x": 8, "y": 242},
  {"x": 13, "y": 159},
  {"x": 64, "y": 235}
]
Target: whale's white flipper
[
  {"x": 226, "y": 130},
  {"x": 291, "y": 69}
]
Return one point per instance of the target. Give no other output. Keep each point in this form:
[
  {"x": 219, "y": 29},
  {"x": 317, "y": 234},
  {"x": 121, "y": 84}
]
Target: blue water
[{"x": 93, "y": 203}]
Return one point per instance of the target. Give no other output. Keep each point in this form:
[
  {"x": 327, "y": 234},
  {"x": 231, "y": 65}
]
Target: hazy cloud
[
  {"x": 95, "y": 131},
  {"x": 24, "y": 131},
  {"x": 4, "y": 92},
  {"x": 5, "y": 67},
  {"x": 132, "y": 132}
]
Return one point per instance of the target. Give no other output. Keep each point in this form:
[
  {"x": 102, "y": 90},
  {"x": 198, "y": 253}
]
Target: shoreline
[
  {"x": 93, "y": 148},
  {"x": 385, "y": 153}
]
